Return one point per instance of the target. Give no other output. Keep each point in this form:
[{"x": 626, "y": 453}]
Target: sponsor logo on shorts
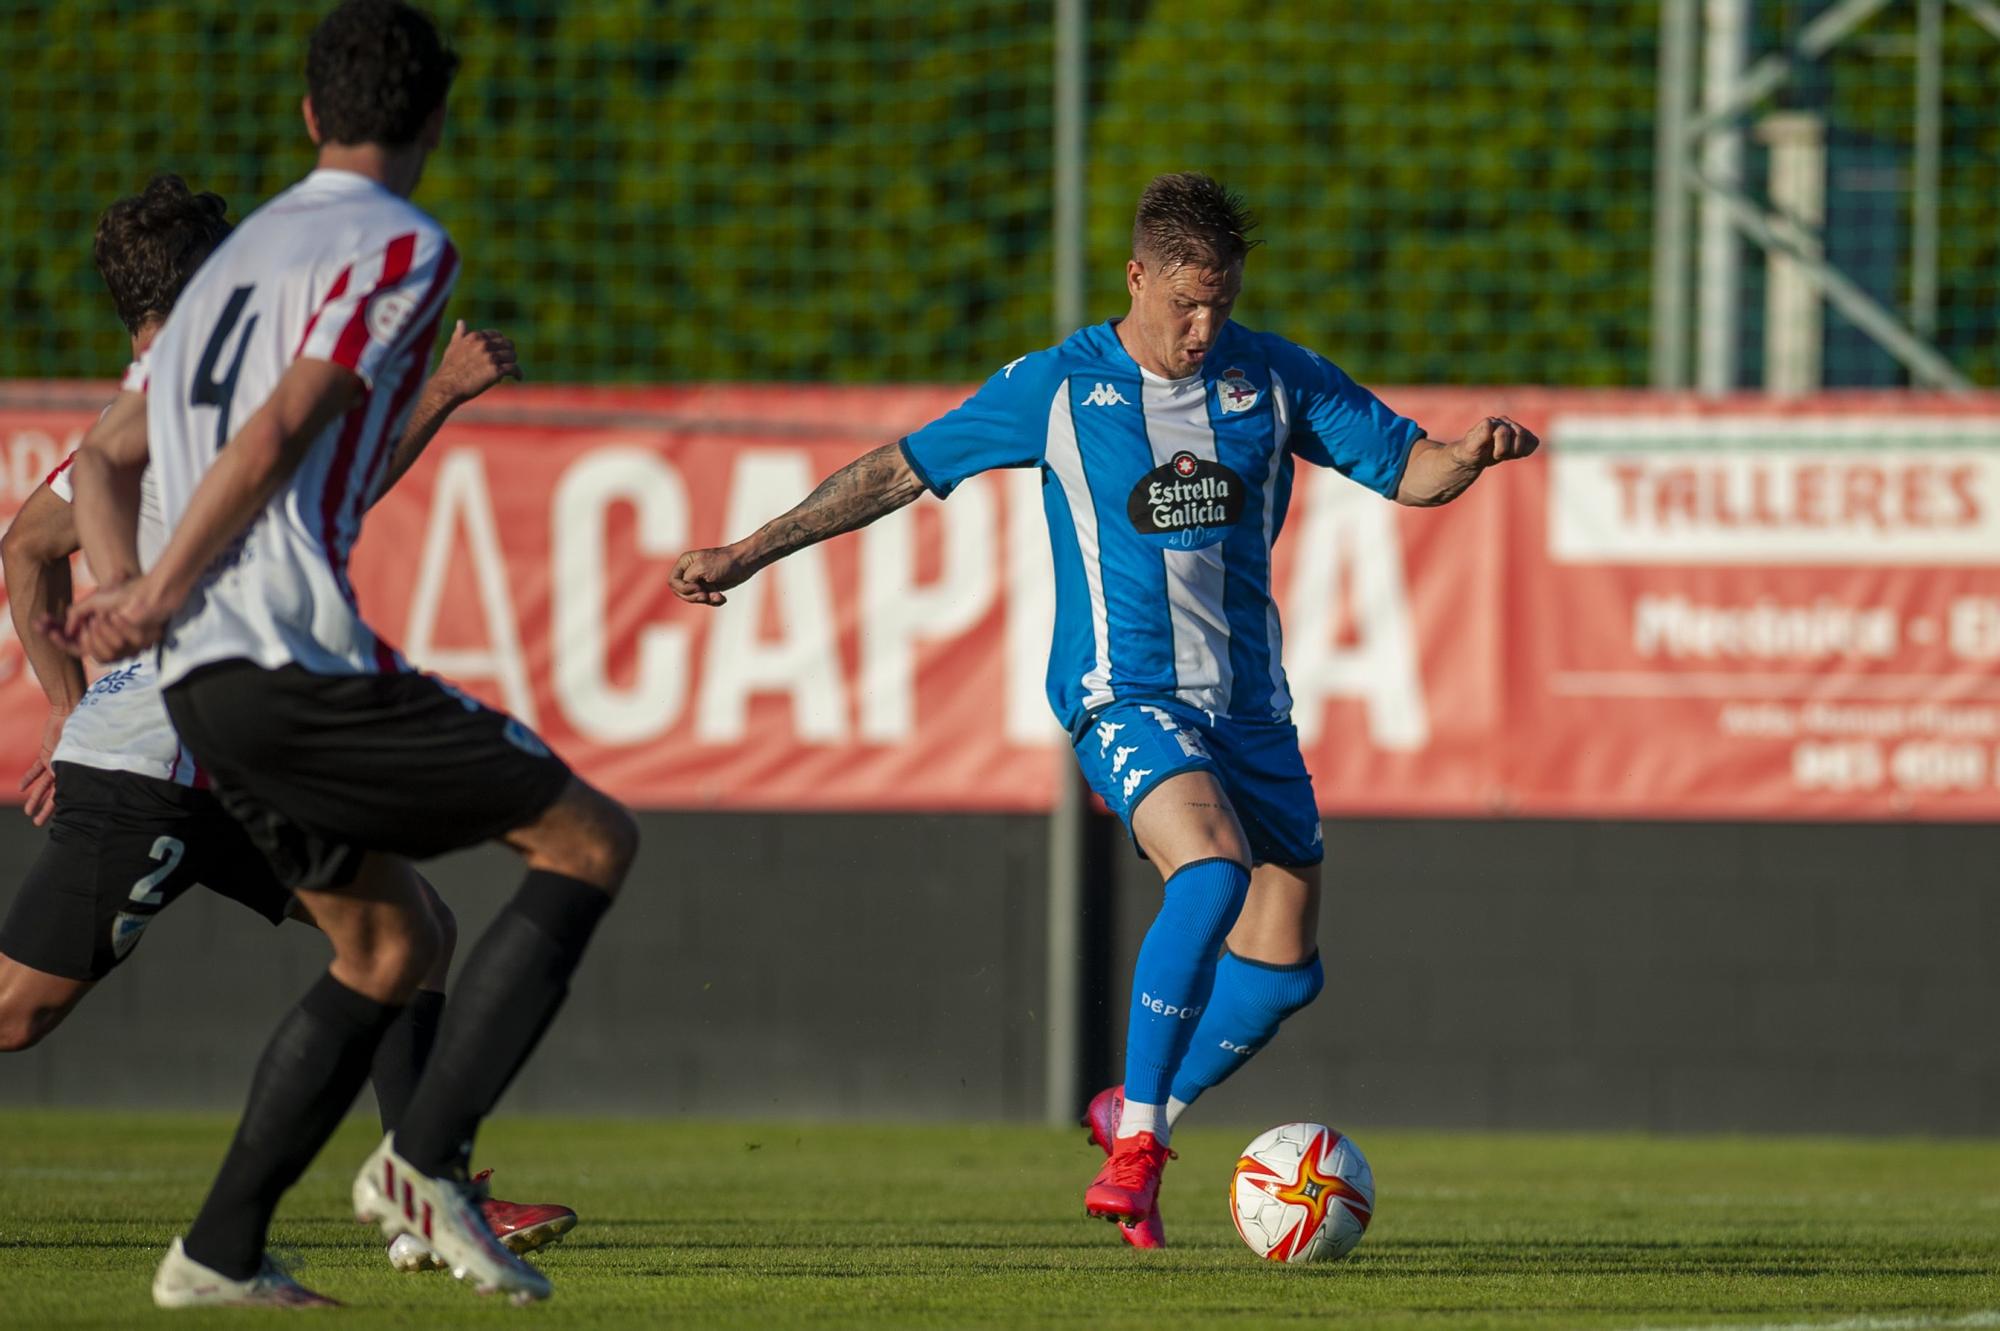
[
  {"x": 1106, "y": 732},
  {"x": 125, "y": 931},
  {"x": 1132, "y": 780},
  {"x": 1119, "y": 759},
  {"x": 523, "y": 739},
  {"x": 1191, "y": 745},
  {"x": 465, "y": 700}
]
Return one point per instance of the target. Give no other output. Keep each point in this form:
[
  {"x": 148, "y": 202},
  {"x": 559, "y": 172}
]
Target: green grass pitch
[{"x": 763, "y": 1225}]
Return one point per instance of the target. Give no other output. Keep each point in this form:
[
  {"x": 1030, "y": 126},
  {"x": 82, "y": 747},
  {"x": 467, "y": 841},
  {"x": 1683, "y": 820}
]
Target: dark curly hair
[
  {"x": 149, "y": 245},
  {"x": 1187, "y": 218},
  {"x": 376, "y": 70}
]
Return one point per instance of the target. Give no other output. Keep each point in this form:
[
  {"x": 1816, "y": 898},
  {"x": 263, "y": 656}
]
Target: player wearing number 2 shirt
[
  {"x": 266, "y": 410},
  {"x": 1166, "y": 442}
]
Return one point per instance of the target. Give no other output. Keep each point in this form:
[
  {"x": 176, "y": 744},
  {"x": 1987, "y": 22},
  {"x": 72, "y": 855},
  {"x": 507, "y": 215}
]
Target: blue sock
[
  {"x": 1176, "y": 969},
  {"x": 1249, "y": 1001}
]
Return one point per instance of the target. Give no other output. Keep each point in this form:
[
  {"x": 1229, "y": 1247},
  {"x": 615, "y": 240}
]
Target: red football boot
[
  {"x": 522, "y": 1226},
  {"x": 1106, "y": 1108},
  {"x": 1127, "y": 1189}
]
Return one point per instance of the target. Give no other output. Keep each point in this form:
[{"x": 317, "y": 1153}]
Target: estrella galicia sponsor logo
[{"x": 1187, "y": 503}]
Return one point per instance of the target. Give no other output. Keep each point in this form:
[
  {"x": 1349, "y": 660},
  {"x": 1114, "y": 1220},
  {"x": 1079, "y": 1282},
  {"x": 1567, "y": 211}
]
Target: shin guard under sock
[
  {"x": 1175, "y": 970},
  {"x": 510, "y": 989},
  {"x": 1249, "y": 1001},
  {"x": 400, "y": 1058},
  {"x": 309, "y": 1075}
]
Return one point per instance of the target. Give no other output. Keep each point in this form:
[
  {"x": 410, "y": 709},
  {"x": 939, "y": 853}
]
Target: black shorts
[
  {"x": 321, "y": 769},
  {"x": 122, "y": 847}
]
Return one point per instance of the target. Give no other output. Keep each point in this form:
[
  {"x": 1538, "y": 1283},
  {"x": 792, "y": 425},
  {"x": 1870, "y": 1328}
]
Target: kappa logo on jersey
[
  {"x": 1106, "y": 732},
  {"x": 1123, "y": 756},
  {"x": 388, "y": 312},
  {"x": 1132, "y": 780},
  {"x": 1106, "y": 395},
  {"x": 1189, "y": 502},
  {"x": 1234, "y": 392}
]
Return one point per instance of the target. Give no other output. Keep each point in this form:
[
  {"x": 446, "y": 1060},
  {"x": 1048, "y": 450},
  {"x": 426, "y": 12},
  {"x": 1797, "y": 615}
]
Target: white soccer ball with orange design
[{"x": 1302, "y": 1193}]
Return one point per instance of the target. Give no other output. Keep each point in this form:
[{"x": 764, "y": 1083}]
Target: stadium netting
[{"x": 860, "y": 190}]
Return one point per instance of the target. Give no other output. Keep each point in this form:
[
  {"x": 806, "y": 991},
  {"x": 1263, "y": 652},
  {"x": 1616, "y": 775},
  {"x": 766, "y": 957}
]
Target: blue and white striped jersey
[{"x": 1164, "y": 498}]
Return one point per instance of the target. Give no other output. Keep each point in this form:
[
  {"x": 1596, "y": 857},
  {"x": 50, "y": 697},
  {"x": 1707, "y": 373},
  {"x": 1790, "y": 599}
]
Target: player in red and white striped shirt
[
  {"x": 266, "y": 408},
  {"x": 132, "y": 825}
]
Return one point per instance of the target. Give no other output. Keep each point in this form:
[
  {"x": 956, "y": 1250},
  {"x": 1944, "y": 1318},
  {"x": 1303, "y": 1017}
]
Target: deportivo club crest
[{"x": 1234, "y": 392}]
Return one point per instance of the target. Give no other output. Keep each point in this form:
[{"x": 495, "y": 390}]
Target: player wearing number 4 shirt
[
  {"x": 1166, "y": 441},
  {"x": 266, "y": 411},
  {"x": 132, "y": 826}
]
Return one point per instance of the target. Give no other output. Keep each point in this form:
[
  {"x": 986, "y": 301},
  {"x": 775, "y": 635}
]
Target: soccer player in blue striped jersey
[{"x": 1167, "y": 442}]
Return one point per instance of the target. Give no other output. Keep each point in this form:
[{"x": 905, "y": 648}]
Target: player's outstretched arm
[
  {"x": 472, "y": 363},
  {"x": 250, "y": 468},
  {"x": 874, "y": 484},
  {"x": 35, "y": 552},
  {"x": 1439, "y": 472}
]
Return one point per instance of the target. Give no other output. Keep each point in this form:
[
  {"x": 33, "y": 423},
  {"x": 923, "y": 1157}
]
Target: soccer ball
[{"x": 1302, "y": 1193}]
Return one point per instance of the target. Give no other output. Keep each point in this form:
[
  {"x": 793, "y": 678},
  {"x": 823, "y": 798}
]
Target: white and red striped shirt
[{"x": 336, "y": 268}]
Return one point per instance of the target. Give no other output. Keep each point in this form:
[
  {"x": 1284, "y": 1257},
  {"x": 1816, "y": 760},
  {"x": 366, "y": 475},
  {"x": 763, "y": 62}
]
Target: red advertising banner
[{"x": 1680, "y": 610}]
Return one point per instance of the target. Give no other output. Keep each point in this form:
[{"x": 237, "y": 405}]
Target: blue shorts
[{"x": 1130, "y": 747}]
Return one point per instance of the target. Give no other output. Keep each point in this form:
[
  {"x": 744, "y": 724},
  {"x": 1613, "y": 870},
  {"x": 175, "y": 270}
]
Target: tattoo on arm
[{"x": 874, "y": 484}]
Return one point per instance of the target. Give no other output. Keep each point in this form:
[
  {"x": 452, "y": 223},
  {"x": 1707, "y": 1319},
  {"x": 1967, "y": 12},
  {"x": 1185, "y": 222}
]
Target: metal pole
[
  {"x": 1929, "y": 166},
  {"x": 1793, "y": 327},
  {"x": 1063, "y": 1025},
  {"x": 1984, "y": 12},
  {"x": 1925, "y": 363},
  {"x": 1769, "y": 74},
  {"x": 1727, "y": 44},
  {"x": 1670, "y": 195}
]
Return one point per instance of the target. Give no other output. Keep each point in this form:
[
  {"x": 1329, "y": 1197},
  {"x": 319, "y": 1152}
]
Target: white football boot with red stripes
[
  {"x": 524, "y": 1227},
  {"x": 391, "y": 1193},
  {"x": 1106, "y": 1108}
]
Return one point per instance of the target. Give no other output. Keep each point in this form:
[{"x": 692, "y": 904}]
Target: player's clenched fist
[
  {"x": 473, "y": 362},
  {"x": 1495, "y": 439},
  {"x": 701, "y": 576}
]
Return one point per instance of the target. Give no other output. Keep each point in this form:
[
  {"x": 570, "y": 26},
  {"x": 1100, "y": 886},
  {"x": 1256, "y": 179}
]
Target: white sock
[
  {"x": 1139, "y": 1118},
  {"x": 1175, "y": 1108}
]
